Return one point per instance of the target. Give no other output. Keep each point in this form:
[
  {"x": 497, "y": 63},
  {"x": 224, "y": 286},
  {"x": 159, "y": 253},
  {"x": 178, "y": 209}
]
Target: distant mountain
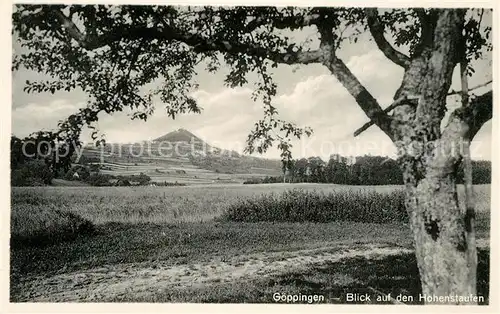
[
  {"x": 180, "y": 150},
  {"x": 180, "y": 135},
  {"x": 185, "y": 140}
]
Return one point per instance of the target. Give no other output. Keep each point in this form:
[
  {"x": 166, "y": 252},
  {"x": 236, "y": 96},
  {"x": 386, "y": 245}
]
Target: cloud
[
  {"x": 41, "y": 116},
  {"x": 227, "y": 116},
  {"x": 380, "y": 76},
  {"x": 315, "y": 96}
]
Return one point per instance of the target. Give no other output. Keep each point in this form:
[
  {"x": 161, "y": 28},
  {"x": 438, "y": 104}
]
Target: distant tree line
[
  {"x": 365, "y": 170},
  {"x": 33, "y": 167}
]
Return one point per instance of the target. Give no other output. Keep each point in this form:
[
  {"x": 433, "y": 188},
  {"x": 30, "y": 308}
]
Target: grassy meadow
[
  {"x": 156, "y": 204},
  {"x": 183, "y": 225},
  {"x": 172, "y": 204}
]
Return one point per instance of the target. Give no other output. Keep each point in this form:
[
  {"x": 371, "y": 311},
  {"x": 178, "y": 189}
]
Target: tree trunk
[
  {"x": 439, "y": 228},
  {"x": 443, "y": 231},
  {"x": 427, "y": 153}
]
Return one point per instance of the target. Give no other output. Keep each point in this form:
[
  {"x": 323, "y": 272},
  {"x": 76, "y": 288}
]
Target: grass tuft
[{"x": 45, "y": 226}]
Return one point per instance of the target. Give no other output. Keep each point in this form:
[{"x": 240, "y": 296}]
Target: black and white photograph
[{"x": 258, "y": 154}]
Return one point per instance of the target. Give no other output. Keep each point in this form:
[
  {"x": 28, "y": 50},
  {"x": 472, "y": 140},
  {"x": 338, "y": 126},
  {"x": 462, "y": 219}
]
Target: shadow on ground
[
  {"x": 394, "y": 275},
  {"x": 397, "y": 275}
]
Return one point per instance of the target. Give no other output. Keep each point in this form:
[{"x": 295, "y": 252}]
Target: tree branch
[
  {"x": 377, "y": 31},
  {"x": 365, "y": 100},
  {"x": 196, "y": 41},
  {"x": 422, "y": 16},
  {"x": 463, "y": 125},
  {"x": 70, "y": 27},
  {"x": 453, "y": 92},
  {"x": 427, "y": 26},
  {"x": 398, "y": 102},
  {"x": 479, "y": 111},
  {"x": 467, "y": 121}
]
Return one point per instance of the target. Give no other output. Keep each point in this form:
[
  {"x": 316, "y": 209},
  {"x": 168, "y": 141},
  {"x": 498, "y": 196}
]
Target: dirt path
[{"x": 113, "y": 281}]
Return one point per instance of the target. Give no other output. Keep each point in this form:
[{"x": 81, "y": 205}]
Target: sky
[{"x": 307, "y": 95}]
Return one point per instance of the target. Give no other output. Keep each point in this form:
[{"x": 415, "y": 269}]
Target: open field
[
  {"x": 173, "y": 204},
  {"x": 164, "y": 244}
]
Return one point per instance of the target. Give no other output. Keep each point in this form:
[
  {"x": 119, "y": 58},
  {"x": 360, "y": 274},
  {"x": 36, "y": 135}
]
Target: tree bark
[
  {"x": 429, "y": 157},
  {"x": 439, "y": 228}
]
